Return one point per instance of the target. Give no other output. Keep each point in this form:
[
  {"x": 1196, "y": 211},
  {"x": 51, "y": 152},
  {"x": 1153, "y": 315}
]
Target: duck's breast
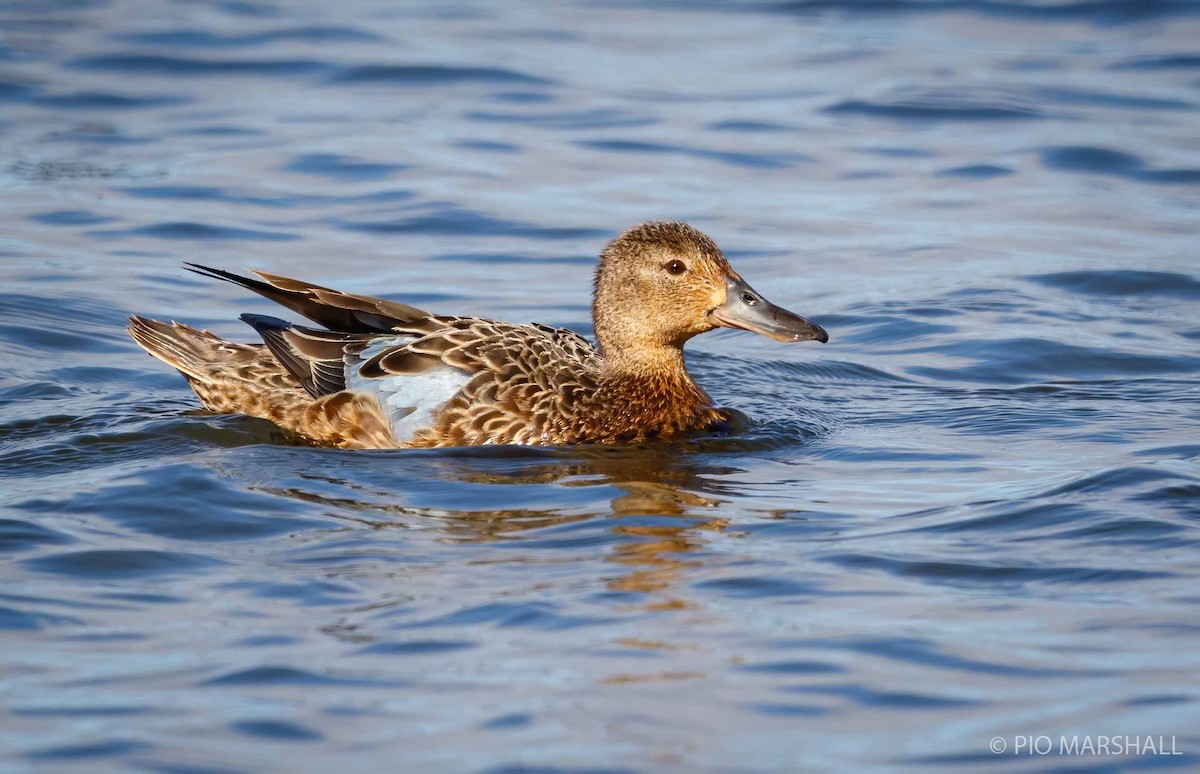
[{"x": 411, "y": 401}]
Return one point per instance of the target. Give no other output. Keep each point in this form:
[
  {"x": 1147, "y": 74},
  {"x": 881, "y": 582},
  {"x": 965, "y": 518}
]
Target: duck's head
[{"x": 659, "y": 284}]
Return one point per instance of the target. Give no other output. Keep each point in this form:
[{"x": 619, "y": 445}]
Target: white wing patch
[{"x": 409, "y": 401}]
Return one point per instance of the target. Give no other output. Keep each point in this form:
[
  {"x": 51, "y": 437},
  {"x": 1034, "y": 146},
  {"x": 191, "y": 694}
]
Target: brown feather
[
  {"x": 405, "y": 362},
  {"x": 331, "y": 308}
]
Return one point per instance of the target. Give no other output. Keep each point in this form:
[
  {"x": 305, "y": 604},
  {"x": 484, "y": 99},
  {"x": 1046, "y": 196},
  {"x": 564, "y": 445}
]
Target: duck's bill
[{"x": 745, "y": 308}]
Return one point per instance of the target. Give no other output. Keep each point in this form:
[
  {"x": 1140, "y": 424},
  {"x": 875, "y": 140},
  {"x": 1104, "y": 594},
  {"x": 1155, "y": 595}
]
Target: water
[{"x": 973, "y": 514}]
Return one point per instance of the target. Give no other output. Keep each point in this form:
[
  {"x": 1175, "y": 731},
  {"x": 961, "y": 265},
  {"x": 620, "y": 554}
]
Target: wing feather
[
  {"x": 334, "y": 309},
  {"x": 512, "y": 376}
]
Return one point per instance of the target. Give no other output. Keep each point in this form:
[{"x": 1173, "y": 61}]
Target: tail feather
[
  {"x": 315, "y": 358},
  {"x": 333, "y": 309},
  {"x": 249, "y": 379},
  {"x": 272, "y": 329},
  {"x": 190, "y": 350}
]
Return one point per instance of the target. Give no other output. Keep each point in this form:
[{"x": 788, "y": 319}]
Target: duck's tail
[
  {"x": 228, "y": 377},
  {"x": 232, "y": 378},
  {"x": 197, "y": 354}
]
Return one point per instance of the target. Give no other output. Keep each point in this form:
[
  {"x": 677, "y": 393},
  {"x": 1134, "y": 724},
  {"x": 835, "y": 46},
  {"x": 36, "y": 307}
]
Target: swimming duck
[{"x": 381, "y": 374}]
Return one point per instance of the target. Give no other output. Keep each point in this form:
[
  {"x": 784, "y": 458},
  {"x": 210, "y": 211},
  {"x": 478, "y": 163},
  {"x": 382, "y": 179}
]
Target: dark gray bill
[{"x": 744, "y": 308}]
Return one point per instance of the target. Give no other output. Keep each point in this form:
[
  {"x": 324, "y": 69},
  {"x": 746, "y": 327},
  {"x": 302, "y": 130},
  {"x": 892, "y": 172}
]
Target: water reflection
[
  {"x": 659, "y": 555},
  {"x": 644, "y": 484}
]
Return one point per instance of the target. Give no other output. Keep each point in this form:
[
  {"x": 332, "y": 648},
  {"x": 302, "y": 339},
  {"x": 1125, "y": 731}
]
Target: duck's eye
[{"x": 676, "y": 267}]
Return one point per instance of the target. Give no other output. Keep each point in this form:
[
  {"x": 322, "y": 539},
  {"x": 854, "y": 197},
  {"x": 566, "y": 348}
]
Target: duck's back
[{"x": 461, "y": 381}]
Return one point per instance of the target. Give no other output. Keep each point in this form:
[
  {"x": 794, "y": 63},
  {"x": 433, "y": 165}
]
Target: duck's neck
[
  {"x": 652, "y": 389},
  {"x": 650, "y": 362}
]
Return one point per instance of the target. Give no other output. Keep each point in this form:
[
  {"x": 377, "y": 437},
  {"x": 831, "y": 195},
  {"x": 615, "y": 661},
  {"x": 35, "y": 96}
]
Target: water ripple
[
  {"x": 1122, "y": 282},
  {"x": 733, "y": 158},
  {"x": 340, "y": 167},
  {"x": 105, "y": 100},
  {"x": 162, "y": 65},
  {"x": 202, "y": 38},
  {"x": 977, "y": 171},
  {"x": 192, "y": 231},
  {"x": 1169, "y": 62},
  {"x": 943, "y": 105},
  {"x": 1105, "y": 161},
  {"x": 1096, "y": 11},
  {"x": 429, "y": 75},
  {"x": 279, "y": 675},
  {"x": 114, "y": 564},
  {"x": 451, "y": 220},
  {"x": 276, "y": 730},
  {"x": 565, "y": 119},
  {"x": 1014, "y": 361}
]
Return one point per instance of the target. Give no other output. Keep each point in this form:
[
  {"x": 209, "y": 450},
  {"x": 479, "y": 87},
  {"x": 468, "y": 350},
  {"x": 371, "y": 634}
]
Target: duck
[{"x": 381, "y": 374}]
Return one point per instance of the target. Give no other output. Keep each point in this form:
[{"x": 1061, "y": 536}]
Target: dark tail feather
[
  {"x": 321, "y": 372},
  {"x": 271, "y": 329},
  {"x": 335, "y": 310},
  {"x": 293, "y": 300},
  {"x": 249, "y": 283}
]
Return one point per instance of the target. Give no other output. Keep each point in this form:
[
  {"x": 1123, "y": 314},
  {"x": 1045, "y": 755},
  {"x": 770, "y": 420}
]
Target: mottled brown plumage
[{"x": 472, "y": 381}]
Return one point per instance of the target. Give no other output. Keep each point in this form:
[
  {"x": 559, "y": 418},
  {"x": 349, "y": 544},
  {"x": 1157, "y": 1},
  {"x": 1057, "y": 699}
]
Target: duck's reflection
[
  {"x": 468, "y": 492},
  {"x": 657, "y": 556}
]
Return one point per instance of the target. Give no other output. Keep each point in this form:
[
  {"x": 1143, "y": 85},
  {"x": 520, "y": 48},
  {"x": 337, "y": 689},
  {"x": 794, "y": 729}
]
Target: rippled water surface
[{"x": 974, "y": 513}]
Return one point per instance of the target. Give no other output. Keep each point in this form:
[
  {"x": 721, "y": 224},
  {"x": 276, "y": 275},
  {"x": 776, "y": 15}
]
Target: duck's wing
[
  {"x": 446, "y": 380},
  {"x": 314, "y": 357},
  {"x": 338, "y": 311},
  {"x": 493, "y": 382}
]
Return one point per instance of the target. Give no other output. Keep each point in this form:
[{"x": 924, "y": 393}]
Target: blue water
[{"x": 974, "y": 514}]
